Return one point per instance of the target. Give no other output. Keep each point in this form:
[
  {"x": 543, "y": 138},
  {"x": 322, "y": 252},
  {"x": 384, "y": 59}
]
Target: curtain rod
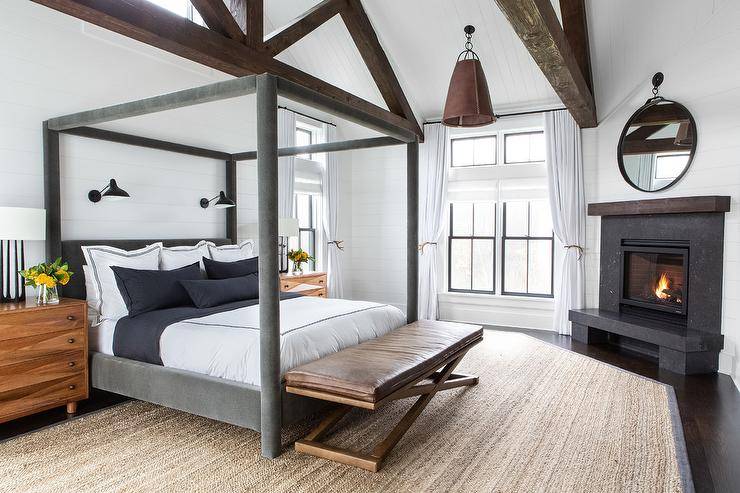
[
  {"x": 308, "y": 116},
  {"x": 505, "y": 115}
]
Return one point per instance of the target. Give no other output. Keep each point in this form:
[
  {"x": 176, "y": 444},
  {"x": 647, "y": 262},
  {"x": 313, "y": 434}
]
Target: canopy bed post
[
  {"x": 231, "y": 190},
  {"x": 412, "y": 233},
  {"x": 52, "y": 193},
  {"x": 269, "y": 286}
]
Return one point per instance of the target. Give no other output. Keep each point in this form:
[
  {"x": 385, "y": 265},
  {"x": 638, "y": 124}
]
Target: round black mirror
[{"x": 657, "y": 145}]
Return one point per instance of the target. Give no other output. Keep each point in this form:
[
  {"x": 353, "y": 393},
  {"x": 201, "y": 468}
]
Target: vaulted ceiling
[{"x": 422, "y": 38}]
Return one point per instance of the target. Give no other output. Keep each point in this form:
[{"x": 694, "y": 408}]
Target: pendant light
[{"x": 468, "y": 100}]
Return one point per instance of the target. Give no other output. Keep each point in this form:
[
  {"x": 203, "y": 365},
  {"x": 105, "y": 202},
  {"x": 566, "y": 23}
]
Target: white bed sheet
[{"x": 226, "y": 345}]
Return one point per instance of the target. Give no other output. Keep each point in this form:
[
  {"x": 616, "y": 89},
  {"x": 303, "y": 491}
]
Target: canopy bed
[{"x": 262, "y": 405}]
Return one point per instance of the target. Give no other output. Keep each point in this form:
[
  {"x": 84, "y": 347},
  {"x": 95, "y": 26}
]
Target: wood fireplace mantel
[{"x": 673, "y": 205}]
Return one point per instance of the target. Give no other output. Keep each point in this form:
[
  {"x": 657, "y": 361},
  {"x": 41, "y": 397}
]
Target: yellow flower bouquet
[
  {"x": 45, "y": 277},
  {"x": 298, "y": 257}
]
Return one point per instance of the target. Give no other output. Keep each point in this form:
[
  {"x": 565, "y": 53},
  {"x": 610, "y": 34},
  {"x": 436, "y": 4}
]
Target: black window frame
[
  {"x": 311, "y": 229},
  {"x": 527, "y": 238},
  {"x": 477, "y": 137},
  {"x": 310, "y": 133},
  {"x": 472, "y": 237},
  {"x": 526, "y": 132}
]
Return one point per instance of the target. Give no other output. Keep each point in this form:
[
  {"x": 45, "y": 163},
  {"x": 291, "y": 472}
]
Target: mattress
[{"x": 226, "y": 345}]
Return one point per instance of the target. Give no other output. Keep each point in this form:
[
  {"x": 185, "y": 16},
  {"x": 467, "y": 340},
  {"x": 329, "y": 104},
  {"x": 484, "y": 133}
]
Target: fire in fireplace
[{"x": 655, "y": 277}]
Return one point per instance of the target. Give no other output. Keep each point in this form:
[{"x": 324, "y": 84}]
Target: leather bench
[{"x": 417, "y": 359}]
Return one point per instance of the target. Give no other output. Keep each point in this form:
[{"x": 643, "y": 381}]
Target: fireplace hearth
[{"x": 660, "y": 281}]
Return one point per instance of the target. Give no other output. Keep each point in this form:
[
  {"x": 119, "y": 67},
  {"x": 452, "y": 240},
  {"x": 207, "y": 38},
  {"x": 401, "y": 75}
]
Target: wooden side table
[
  {"x": 43, "y": 357},
  {"x": 308, "y": 284}
]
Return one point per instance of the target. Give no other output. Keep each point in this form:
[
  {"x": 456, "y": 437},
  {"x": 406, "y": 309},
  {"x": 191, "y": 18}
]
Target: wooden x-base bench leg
[{"x": 441, "y": 380}]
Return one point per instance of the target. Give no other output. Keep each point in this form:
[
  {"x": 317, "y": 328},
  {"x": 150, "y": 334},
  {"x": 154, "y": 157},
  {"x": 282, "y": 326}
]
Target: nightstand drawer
[
  {"x": 43, "y": 369},
  {"x": 41, "y": 321},
  {"x": 25, "y": 348},
  {"x": 21, "y": 401},
  {"x": 288, "y": 282}
]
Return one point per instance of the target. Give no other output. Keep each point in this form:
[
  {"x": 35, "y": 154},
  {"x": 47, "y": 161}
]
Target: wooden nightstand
[
  {"x": 43, "y": 357},
  {"x": 308, "y": 284}
]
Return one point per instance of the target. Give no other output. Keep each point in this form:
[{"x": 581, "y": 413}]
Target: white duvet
[{"x": 226, "y": 345}]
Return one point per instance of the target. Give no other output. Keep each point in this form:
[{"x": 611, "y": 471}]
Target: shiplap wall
[
  {"x": 702, "y": 72},
  {"x": 51, "y": 64},
  {"x": 375, "y": 257}
]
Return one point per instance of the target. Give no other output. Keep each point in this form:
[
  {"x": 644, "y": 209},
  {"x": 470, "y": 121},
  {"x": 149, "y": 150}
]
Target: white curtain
[
  {"x": 330, "y": 198},
  {"x": 568, "y": 207},
  {"x": 432, "y": 200},
  {"x": 286, "y": 165}
]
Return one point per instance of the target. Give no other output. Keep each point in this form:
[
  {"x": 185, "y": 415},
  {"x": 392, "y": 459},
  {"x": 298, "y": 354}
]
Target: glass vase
[
  {"x": 297, "y": 269},
  {"x": 47, "y": 295}
]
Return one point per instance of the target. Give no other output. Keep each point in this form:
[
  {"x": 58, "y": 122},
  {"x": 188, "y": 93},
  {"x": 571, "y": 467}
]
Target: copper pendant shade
[{"x": 468, "y": 100}]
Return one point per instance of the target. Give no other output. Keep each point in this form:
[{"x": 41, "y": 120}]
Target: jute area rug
[{"x": 541, "y": 419}]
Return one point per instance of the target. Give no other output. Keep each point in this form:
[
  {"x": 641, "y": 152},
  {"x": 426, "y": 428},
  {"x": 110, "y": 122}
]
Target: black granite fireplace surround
[{"x": 660, "y": 289}]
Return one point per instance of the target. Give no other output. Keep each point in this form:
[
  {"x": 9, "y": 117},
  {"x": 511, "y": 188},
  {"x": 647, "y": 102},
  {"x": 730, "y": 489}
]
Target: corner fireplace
[
  {"x": 655, "y": 277},
  {"x": 660, "y": 281}
]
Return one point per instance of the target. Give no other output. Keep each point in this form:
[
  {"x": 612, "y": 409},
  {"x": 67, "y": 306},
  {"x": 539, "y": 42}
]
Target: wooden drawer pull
[
  {"x": 71, "y": 340},
  {"x": 70, "y": 317},
  {"x": 71, "y": 387}
]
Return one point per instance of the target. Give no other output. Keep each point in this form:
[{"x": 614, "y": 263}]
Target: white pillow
[
  {"x": 100, "y": 259},
  {"x": 231, "y": 253},
  {"x": 181, "y": 256},
  {"x": 93, "y": 297}
]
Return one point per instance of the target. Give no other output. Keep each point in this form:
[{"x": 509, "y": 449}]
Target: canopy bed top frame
[{"x": 267, "y": 88}]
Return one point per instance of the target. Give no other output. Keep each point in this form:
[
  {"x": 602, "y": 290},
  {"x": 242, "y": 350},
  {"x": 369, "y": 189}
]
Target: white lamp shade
[
  {"x": 287, "y": 226},
  {"x": 22, "y": 223}
]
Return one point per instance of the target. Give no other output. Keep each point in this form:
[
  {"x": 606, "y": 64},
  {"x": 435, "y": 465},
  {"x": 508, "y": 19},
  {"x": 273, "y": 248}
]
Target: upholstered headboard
[{"x": 72, "y": 254}]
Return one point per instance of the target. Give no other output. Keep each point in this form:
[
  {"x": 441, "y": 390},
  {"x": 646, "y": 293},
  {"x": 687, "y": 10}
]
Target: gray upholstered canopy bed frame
[{"x": 267, "y": 407}]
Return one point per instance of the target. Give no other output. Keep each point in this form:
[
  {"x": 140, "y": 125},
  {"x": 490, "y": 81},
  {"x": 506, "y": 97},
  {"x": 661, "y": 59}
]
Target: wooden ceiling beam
[
  {"x": 255, "y": 23},
  {"x": 575, "y": 27},
  {"x": 218, "y": 17},
  {"x": 537, "y": 25},
  {"x": 158, "y": 27},
  {"x": 367, "y": 42},
  {"x": 650, "y": 146},
  {"x": 298, "y": 28}
]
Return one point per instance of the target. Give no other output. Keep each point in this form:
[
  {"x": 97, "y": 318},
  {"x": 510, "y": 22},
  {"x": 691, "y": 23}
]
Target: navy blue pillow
[
  {"x": 227, "y": 270},
  {"x": 147, "y": 290},
  {"x": 206, "y": 293}
]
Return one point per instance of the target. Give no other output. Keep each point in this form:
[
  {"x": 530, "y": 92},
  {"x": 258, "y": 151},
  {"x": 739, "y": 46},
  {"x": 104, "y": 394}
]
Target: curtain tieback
[
  {"x": 579, "y": 248},
  {"x": 422, "y": 245},
  {"x": 337, "y": 243}
]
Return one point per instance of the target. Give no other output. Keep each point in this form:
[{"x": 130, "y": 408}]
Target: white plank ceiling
[{"x": 422, "y": 38}]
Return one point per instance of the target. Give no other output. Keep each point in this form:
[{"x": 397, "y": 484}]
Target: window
[
  {"x": 527, "y": 249},
  {"x": 669, "y": 166},
  {"x": 524, "y": 147},
  {"x": 182, "y": 8},
  {"x": 472, "y": 247},
  {"x": 307, "y": 211},
  {"x": 473, "y": 151},
  {"x": 303, "y": 137}
]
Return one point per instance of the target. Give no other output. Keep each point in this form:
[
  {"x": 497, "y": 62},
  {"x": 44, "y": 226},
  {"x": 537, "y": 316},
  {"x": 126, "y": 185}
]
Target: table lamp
[{"x": 17, "y": 225}]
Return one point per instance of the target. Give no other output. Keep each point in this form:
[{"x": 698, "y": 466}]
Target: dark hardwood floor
[{"x": 709, "y": 407}]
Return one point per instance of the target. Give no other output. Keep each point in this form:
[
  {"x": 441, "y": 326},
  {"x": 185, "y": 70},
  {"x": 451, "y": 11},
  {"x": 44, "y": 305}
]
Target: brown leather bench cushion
[{"x": 376, "y": 368}]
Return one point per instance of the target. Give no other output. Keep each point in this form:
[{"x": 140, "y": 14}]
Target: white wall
[
  {"x": 702, "y": 72},
  {"x": 51, "y": 64},
  {"x": 375, "y": 254}
]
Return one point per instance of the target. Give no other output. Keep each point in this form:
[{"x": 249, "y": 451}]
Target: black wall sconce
[
  {"x": 110, "y": 192},
  {"x": 223, "y": 202}
]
